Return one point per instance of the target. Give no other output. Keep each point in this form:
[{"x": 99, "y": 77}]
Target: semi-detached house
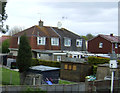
[
  {"x": 104, "y": 44},
  {"x": 49, "y": 43}
]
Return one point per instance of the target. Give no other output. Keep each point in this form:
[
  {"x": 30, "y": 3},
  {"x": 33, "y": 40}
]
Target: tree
[
  {"x": 24, "y": 57},
  {"x": 89, "y": 36},
  {"x": 5, "y": 46},
  {"x": 3, "y": 16},
  {"x": 15, "y": 30}
]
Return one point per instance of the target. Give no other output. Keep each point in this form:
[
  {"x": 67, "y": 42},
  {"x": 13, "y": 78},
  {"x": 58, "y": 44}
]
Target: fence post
[{"x": 10, "y": 78}]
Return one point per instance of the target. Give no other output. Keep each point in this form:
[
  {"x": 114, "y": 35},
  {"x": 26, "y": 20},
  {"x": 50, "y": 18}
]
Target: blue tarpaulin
[{"x": 49, "y": 82}]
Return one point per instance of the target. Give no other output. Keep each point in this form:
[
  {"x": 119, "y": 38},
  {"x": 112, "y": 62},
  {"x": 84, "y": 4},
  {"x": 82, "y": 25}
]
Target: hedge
[
  {"x": 45, "y": 63},
  {"x": 118, "y": 62},
  {"x": 97, "y": 60}
]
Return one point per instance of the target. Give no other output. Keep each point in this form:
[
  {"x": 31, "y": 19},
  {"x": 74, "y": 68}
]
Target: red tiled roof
[
  {"x": 35, "y": 30},
  {"x": 111, "y": 38}
]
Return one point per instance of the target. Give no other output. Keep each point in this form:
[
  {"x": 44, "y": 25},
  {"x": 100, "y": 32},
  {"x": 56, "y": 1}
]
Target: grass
[
  {"x": 66, "y": 82},
  {"x": 9, "y": 77}
]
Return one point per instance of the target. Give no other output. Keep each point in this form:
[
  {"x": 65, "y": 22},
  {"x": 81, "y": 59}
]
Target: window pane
[
  {"x": 74, "y": 67},
  {"x": 41, "y": 40},
  {"x": 100, "y": 45},
  {"x": 55, "y": 41},
  {"x": 67, "y": 42},
  {"x": 79, "y": 42},
  {"x": 65, "y": 66},
  {"x": 70, "y": 67}
]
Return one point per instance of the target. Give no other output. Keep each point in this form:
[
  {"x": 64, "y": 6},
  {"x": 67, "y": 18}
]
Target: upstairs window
[
  {"x": 55, "y": 41},
  {"x": 100, "y": 45},
  {"x": 67, "y": 42},
  {"x": 41, "y": 40},
  {"x": 79, "y": 42}
]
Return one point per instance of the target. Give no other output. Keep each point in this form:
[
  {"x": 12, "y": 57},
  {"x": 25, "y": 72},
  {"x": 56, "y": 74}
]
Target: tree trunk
[{"x": 22, "y": 78}]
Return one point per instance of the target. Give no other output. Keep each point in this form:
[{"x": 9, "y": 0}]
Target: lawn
[{"x": 9, "y": 77}]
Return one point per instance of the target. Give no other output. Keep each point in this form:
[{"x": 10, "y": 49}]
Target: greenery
[
  {"x": 9, "y": 77},
  {"x": 45, "y": 62},
  {"x": 33, "y": 90},
  {"x": 5, "y": 46},
  {"x": 66, "y": 82},
  {"x": 24, "y": 57},
  {"x": 94, "y": 69},
  {"x": 118, "y": 62},
  {"x": 97, "y": 60},
  {"x": 3, "y": 16},
  {"x": 88, "y": 36}
]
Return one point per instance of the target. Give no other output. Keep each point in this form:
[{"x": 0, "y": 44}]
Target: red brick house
[
  {"x": 48, "y": 42},
  {"x": 4, "y": 37},
  {"x": 104, "y": 44}
]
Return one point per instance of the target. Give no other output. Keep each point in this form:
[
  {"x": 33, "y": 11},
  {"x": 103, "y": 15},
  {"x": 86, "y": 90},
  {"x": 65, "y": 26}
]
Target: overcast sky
[{"x": 79, "y": 17}]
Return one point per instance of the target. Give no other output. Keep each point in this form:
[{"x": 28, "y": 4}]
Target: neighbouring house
[
  {"x": 103, "y": 71},
  {"x": 47, "y": 73},
  {"x": 49, "y": 43},
  {"x": 75, "y": 71},
  {"x": 3, "y": 38},
  {"x": 103, "y": 44}
]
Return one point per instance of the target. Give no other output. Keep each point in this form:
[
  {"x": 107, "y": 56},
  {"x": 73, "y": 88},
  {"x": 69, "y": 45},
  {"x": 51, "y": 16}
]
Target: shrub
[
  {"x": 97, "y": 60},
  {"x": 118, "y": 62},
  {"x": 94, "y": 69},
  {"x": 33, "y": 90},
  {"x": 45, "y": 63}
]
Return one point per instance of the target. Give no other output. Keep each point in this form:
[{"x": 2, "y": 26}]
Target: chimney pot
[
  {"x": 41, "y": 23},
  {"x": 111, "y": 34}
]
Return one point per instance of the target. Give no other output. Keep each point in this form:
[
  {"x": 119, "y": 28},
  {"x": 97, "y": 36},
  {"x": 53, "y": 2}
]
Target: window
[
  {"x": 41, "y": 40},
  {"x": 116, "y": 46},
  {"x": 74, "y": 67},
  {"x": 100, "y": 45},
  {"x": 58, "y": 58},
  {"x": 67, "y": 42},
  {"x": 79, "y": 42},
  {"x": 55, "y": 41},
  {"x": 70, "y": 67},
  {"x": 38, "y": 55},
  {"x": 18, "y": 40},
  {"x": 65, "y": 66}
]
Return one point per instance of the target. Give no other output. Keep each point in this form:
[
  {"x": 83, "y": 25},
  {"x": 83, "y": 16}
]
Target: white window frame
[
  {"x": 67, "y": 42},
  {"x": 38, "y": 55},
  {"x": 100, "y": 45},
  {"x": 43, "y": 40},
  {"x": 116, "y": 45},
  {"x": 59, "y": 58},
  {"x": 18, "y": 40},
  {"x": 79, "y": 42},
  {"x": 54, "y": 41}
]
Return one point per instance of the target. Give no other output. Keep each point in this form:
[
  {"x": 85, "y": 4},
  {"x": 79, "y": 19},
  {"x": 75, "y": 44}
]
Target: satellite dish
[{"x": 59, "y": 24}]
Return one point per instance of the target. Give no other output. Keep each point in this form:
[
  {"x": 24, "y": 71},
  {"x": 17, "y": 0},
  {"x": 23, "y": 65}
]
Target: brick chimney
[
  {"x": 41, "y": 23},
  {"x": 111, "y": 34}
]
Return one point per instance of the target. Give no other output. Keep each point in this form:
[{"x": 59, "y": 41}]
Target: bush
[
  {"x": 97, "y": 60},
  {"x": 118, "y": 62},
  {"x": 33, "y": 90},
  {"x": 45, "y": 63},
  {"x": 94, "y": 69}
]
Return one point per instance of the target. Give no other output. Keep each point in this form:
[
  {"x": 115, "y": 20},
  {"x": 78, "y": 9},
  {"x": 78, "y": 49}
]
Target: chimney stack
[{"x": 41, "y": 23}]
